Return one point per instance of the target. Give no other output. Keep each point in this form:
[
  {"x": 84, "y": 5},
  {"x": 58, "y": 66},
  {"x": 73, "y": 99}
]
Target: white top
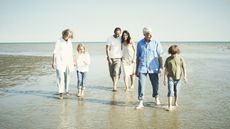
[
  {"x": 63, "y": 54},
  {"x": 82, "y": 62},
  {"x": 115, "y": 47},
  {"x": 128, "y": 53}
]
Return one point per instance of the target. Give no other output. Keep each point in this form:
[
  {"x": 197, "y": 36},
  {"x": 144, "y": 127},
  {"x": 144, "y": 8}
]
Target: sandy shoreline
[{"x": 28, "y": 95}]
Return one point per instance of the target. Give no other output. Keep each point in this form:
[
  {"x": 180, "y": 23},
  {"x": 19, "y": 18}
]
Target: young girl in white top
[
  {"x": 128, "y": 59},
  {"x": 82, "y": 64}
]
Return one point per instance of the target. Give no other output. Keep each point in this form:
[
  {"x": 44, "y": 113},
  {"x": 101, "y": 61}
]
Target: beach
[{"x": 29, "y": 99}]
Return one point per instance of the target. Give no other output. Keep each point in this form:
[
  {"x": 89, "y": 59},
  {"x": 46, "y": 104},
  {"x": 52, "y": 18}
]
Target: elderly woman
[{"x": 63, "y": 61}]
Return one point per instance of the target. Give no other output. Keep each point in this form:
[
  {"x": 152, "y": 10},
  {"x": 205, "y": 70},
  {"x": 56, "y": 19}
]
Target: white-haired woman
[{"x": 63, "y": 61}]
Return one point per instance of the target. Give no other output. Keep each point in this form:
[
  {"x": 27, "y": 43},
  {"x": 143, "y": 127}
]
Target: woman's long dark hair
[{"x": 122, "y": 37}]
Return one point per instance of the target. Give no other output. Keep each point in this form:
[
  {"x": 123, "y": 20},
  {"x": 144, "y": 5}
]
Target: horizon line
[{"x": 166, "y": 41}]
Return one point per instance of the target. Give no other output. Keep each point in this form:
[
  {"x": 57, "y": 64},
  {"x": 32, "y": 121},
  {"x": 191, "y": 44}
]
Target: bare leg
[
  {"x": 126, "y": 83},
  {"x": 82, "y": 93},
  {"x": 78, "y": 93},
  {"x": 169, "y": 103},
  {"x": 175, "y": 102},
  {"x": 115, "y": 80},
  {"x": 132, "y": 77}
]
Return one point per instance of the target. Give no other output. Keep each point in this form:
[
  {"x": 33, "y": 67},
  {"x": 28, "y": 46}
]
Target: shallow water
[{"x": 28, "y": 94}]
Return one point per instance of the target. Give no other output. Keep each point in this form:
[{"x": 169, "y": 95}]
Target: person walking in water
[
  {"x": 63, "y": 61},
  {"x": 175, "y": 70},
  {"x": 82, "y": 65},
  {"x": 128, "y": 59},
  {"x": 114, "y": 55},
  {"x": 149, "y": 62}
]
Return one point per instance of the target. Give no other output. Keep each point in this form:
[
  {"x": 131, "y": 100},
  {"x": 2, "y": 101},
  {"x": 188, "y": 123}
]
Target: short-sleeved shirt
[
  {"x": 148, "y": 54},
  {"x": 115, "y": 44},
  {"x": 174, "y": 66}
]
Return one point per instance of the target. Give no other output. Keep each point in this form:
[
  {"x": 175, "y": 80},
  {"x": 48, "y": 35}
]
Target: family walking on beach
[
  {"x": 141, "y": 60},
  {"x": 64, "y": 62}
]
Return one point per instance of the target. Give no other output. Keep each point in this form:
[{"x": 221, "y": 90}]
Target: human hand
[
  {"x": 137, "y": 74},
  {"x": 53, "y": 66},
  {"x": 85, "y": 62},
  {"x": 185, "y": 80},
  {"x": 110, "y": 60},
  {"x": 133, "y": 61},
  {"x": 161, "y": 71},
  {"x": 165, "y": 82}
]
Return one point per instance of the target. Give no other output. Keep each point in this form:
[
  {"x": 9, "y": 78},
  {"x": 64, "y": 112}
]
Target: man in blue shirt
[{"x": 149, "y": 62}]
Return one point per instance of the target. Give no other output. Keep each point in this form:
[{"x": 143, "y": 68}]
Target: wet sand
[{"x": 28, "y": 95}]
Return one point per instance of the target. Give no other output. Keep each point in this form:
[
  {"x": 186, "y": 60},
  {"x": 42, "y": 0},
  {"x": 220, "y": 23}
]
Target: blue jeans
[
  {"x": 81, "y": 77},
  {"x": 173, "y": 87},
  {"x": 142, "y": 82}
]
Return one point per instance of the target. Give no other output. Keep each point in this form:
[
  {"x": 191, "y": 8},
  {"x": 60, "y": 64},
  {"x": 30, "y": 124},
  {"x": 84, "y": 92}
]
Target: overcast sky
[{"x": 94, "y": 20}]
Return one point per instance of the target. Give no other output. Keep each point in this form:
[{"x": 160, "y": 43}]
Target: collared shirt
[
  {"x": 63, "y": 53},
  {"x": 148, "y": 54},
  {"x": 115, "y": 45}
]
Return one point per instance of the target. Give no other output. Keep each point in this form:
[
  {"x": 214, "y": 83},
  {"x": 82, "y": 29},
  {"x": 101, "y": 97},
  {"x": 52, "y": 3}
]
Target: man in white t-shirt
[
  {"x": 114, "y": 55},
  {"x": 63, "y": 61}
]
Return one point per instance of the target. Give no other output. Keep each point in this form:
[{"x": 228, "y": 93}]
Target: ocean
[{"x": 29, "y": 99}]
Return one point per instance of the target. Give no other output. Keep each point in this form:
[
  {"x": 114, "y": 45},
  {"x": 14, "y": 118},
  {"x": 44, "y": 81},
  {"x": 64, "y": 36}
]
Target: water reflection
[{"x": 64, "y": 114}]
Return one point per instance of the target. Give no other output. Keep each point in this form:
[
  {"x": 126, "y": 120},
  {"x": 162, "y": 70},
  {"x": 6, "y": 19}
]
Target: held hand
[
  {"x": 137, "y": 74},
  {"x": 165, "y": 82},
  {"x": 110, "y": 61},
  {"x": 161, "y": 71},
  {"x": 185, "y": 80},
  {"x": 85, "y": 63},
  {"x": 133, "y": 62},
  {"x": 54, "y": 66}
]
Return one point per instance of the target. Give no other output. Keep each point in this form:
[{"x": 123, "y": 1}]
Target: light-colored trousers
[{"x": 63, "y": 80}]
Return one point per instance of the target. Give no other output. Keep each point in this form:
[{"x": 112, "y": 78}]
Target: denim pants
[
  {"x": 63, "y": 79},
  {"x": 173, "y": 87},
  {"x": 142, "y": 82},
  {"x": 81, "y": 77}
]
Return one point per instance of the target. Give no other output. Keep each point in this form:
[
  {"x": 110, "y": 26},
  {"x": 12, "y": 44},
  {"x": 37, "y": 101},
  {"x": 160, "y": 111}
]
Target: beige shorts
[{"x": 115, "y": 67}]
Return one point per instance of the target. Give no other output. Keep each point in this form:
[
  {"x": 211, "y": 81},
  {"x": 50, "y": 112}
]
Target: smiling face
[
  {"x": 81, "y": 49},
  {"x": 117, "y": 33},
  {"x": 148, "y": 37},
  {"x": 125, "y": 36}
]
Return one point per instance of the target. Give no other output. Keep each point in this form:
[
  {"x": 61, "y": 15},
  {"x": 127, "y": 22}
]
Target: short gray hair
[{"x": 147, "y": 30}]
